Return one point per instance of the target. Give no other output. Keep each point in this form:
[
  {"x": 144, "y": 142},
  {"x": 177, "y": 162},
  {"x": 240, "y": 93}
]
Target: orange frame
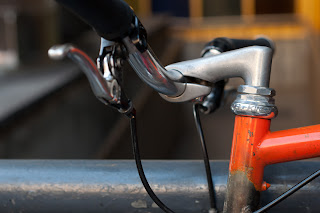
[{"x": 254, "y": 146}]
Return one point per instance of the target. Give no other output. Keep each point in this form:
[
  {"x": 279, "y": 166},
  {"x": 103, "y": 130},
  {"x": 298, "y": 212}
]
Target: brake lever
[{"x": 104, "y": 79}]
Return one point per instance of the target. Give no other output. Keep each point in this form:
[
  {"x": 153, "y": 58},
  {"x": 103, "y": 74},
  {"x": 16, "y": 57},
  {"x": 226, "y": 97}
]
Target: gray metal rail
[{"x": 114, "y": 186}]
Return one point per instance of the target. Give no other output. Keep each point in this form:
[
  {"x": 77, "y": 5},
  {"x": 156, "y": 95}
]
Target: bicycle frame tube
[{"x": 253, "y": 148}]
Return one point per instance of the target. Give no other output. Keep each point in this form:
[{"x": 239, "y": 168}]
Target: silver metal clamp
[{"x": 255, "y": 101}]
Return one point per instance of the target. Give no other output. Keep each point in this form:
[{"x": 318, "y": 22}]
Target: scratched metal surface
[{"x": 114, "y": 186}]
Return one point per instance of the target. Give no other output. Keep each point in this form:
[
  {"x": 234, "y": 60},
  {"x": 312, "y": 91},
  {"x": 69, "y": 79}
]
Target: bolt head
[{"x": 256, "y": 90}]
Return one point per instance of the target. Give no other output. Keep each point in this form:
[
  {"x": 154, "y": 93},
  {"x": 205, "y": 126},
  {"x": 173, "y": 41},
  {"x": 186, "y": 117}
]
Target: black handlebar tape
[
  {"x": 111, "y": 19},
  {"x": 227, "y": 44}
]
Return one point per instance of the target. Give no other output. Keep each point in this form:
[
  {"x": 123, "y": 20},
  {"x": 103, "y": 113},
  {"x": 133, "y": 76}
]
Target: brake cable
[
  {"x": 136, "y": 153},
  {"x": 205, "y": 158},
  {"x": 289, "y": 192}
]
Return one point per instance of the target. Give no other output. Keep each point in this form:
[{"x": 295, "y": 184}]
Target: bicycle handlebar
[
  {"x": 111, "y": 19},
  {"x": 114, "y": 20},
  {"x": 224, "y": 44}
]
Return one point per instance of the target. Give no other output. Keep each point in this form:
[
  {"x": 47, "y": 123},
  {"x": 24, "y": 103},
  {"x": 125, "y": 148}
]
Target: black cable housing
[
  {"x": 289, "y": 192},
  {"x": 136, "y": 153},
  {"x": 205, "y": 156}
]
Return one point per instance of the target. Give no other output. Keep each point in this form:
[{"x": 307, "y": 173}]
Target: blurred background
[{"x": 47, "y": 109}]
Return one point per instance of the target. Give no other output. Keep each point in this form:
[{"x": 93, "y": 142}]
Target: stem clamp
[{"x": 255, "y": 101}]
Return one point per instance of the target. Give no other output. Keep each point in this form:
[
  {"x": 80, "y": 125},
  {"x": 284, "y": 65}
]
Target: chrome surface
[
  {"x": 100, "y": 87},
  {"x": 256, "y": 90},
  {"x": 252, "y": 64},
  {"x": 59, "y": 52},
  {"x": 106, "y": 88},
  {"x": 106, "y": 71},
  {"x": 104, "y": 43},
  {"x": 255, "y": 101},
  {"x": 191, "y": 92},
  {"x": 114, "y": 186},
  {"x": 209, "y": 103},
  {"x": 152, "y": 72},
  {"x": 210, "y": 51}
]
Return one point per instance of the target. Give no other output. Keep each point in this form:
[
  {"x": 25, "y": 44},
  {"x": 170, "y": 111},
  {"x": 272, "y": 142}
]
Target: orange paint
[
  {"x": 290, "y": 145},
  {"x": 248, "y": 133},
  {"x": 254, "y": 147}
]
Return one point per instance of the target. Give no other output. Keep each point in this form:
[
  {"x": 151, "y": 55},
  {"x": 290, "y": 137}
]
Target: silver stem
[{"x": 252, "y": 64}]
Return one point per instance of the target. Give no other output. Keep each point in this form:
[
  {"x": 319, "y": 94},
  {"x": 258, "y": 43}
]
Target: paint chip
[
  {"x": 139, "y": 204},
  {"x": 154, "y": 205},
  {"x": 13, "y": 202}
]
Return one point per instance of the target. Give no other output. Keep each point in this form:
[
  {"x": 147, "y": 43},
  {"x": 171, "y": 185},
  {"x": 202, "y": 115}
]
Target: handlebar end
[{"x": 58, "y": 52}]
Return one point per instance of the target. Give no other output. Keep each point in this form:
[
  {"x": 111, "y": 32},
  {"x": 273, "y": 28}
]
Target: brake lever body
[{"x": 105, "y": 80}]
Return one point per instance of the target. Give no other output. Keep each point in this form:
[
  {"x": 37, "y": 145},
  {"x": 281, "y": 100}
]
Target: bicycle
[{"x": 253, "y": 144}]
